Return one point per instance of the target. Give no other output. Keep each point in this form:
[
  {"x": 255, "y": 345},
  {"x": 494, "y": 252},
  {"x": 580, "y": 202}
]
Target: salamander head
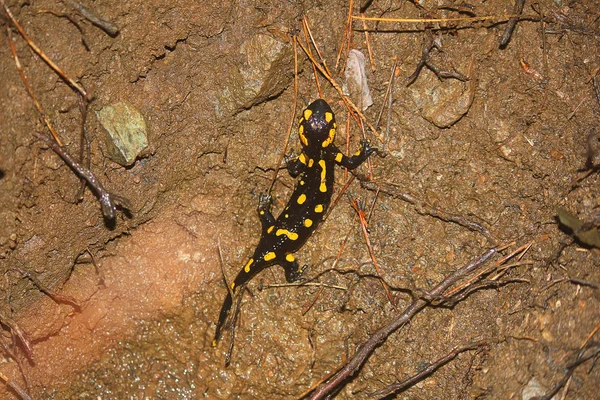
[{"x": 317, "y": 125}]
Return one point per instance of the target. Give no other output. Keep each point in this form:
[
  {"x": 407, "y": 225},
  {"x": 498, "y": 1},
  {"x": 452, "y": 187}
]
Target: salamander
[{"x": 314, "y": 168}]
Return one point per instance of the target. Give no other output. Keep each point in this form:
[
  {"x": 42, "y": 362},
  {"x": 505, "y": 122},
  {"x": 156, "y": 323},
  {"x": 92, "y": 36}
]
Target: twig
[
  {"x": 429, "y": 44},
  {"x": 581, "y": 358},
  {"x": 58, "y": 298},
  {"x": 14, "y": 386},
  {"x": 363, "y": 224},
  {"x": 19, "y": 362},
  {"x": 512, "y": 23},
  {"x": 347, "y": 38},
  {"x": 317, "y": 284},
  {"x": 41, "y": 54},
  {"x": 29, "y": 89},
  {"x": 72, "y": 20},
  {"x": 18, "y": 332},
  {"x": 433, "y": 20},
  {"x": 107, "y": 26},
  {"x": 424, "y": 208},
  {"x": 108, "y": 201},
  {"x": 84, "y": 144},
  {"x": 368, "y": 42},
  {"x": 223, "y": 271},
  {"x": 425, "y": 372},
  {"x": 376, "y": 339}
]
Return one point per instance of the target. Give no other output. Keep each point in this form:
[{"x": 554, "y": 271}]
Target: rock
[{"x": 126, "y": 132}]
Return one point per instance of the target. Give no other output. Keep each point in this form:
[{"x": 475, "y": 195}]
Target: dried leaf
[
  {"x": 356, "y": 80},
  {"x": 590, "y": 237}
]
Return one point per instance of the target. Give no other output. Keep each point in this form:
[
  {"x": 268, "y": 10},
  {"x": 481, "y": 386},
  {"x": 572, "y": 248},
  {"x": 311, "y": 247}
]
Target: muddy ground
[{"x": 214, "y": 83}]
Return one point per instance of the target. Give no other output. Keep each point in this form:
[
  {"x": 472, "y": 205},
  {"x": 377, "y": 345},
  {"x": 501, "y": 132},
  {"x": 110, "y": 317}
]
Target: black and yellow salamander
[{"x": 284, "y": 236}]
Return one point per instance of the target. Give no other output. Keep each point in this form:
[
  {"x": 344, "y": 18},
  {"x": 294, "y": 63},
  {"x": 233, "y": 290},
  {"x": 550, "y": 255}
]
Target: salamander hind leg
[
  {"x": 264, "y": 212},
  {"x": 293, "y": 270}
]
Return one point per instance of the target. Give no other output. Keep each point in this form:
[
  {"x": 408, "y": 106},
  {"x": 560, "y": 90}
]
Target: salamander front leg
[
  {"x": 364, "y": 151},
  {"x": 295, "y": 165}
]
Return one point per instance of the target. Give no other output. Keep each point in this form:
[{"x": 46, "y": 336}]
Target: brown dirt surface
[{"x": 214, "y": 82}]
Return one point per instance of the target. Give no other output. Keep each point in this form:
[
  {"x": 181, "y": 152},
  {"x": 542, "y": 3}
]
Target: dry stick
[
  {"x": 424, "y": 208},
  {"x": 58, "y": 298},
  {"x": 40, "y": 53},
  {"x": 347, "y": 38},
  {"x": 72, "y": 20},
  {"x": 388, "y": 91},
  {"x": 363, "y": 225},
  {"x": 306, "y": 36},
  {"x": 484, "y": 271},
  {"x": 365, "y": 350},
  {"x": 368, "y": 42},
  {"x": 107, "y": 26},
  {"x": 18, "y": 332},
  {"x": 107, "y": 201},
  {"x": 236, "y": 304},
  {"x": 314, "y": 284},
  {"x": 430, "y": 369},
  {"x": 581, "y": 358},
  {"x": 99, "y": 271},
  {"x": 84, "y": 144},
  {"x": 432, "y": 20},
  {"x": 19, "y": 365},
  {"x": 512, "y": 23},
  {"x": 309, "y": 35},
  {"x": 323, "y": 379},
  {"x": 14, "y": 386},
  {"x": 29, "y": 89},
  {"x": 222, "y": 263}
]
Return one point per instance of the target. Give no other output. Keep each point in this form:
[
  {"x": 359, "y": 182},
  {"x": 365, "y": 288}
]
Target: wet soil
[{"x": 503, "y": 150}]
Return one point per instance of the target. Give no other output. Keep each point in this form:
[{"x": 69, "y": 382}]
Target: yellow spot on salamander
[
  {"x": 358, "y": 152},
  {"x": 310, "y": 162},
  {"x": 319, "y": 208},
  {"x": 262, "y": 212},
  {"x": 271, "y": 229},
  {"x": 323, "y": 186},
  {"x": 328, "y": 117},
  {"x": 269, "y": 256},
  {"x": 248, "y": 264},
  {"x": 303, "y": 138},
  {"x": 232, "y": 285},
  {"x": 307, "y": 113},
  {"x": 302, "y": 183},
  {"x": 301, "y": 199},
  {"x": 308, "y": 223},
  {"x": 330, "y": 138},
  {"x": 290, "y": 258},
  {"x": 290, "y": 235},
  {"x": 302, "y": 158},
  {"x": 338, "y": 157},
  {"x": 286, "y": 216}
]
